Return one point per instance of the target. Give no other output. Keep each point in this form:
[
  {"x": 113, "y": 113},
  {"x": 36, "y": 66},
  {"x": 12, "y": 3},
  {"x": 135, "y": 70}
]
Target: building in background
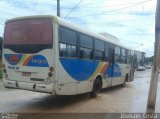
[{"x": 140, "y": 58}]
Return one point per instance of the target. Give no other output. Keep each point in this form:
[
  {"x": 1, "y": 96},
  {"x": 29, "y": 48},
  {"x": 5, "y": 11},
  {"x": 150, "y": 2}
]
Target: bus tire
[
  {"x": 96, "y": 87},
  {"x": 126, "y": 79}
]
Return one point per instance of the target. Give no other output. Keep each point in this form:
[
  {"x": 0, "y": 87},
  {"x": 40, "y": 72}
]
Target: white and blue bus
[{"x": 47, "y": 54}]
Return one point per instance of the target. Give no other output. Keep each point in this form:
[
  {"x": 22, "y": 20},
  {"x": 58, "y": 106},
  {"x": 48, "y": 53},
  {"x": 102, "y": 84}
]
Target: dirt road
[{"x": 132, "y": 98}]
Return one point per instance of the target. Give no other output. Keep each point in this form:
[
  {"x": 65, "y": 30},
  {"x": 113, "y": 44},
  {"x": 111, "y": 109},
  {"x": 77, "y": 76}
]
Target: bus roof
[
  {"x": 30, "y": 17},
  {"x": 67, "y": 24}
]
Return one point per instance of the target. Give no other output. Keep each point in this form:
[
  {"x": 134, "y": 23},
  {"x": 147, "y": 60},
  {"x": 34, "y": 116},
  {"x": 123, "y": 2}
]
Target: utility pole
[
  {"x": 58, "y": 8},
  {"x": 156, "y": 64}
]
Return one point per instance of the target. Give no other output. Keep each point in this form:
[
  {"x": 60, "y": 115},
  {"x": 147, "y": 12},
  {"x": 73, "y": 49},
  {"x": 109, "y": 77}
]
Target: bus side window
[
  {"x": 106, "y": 51},
  {"x": 71, "y": 50},
  {"x": 86, "y": 53},
  {"x": 99, "y": 50},
  {"x": 67, "y": 43},
  {"x": 128, "y": 57},
  {"x": 117, "y": 54},
  {"x": 63, "y": 50},
  {"x": 111, "y": 53},
  {"x": 86, "y": 47},
  {"x": 123, "y": 56}
]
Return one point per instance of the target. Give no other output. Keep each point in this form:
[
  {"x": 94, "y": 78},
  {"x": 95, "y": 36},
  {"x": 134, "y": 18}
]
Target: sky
[{"x": 131, "y": 21}]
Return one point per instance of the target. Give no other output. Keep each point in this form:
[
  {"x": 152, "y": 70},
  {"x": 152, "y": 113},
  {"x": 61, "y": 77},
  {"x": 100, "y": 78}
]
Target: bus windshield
[{"x": 21, "y": 35}]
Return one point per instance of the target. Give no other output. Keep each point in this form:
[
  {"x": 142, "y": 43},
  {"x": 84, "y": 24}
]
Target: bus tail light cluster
[
  {"x": 50, "y": 74},
  {"x": 51, "y": 69},
  {"x": 5, "y": 71}
]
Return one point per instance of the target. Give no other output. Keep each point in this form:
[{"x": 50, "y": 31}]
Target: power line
[
  {"x": 97, "y": 7},
  {"x": 73, "y": 9},
  {"x": 90, "y": 9},
  {"x": 84, "y": 9},
  {"x": 119, "y": 8}
]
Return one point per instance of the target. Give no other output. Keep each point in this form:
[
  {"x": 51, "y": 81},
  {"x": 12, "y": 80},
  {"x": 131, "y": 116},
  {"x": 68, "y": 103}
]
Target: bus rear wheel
[{"x": 96, "y": 87}]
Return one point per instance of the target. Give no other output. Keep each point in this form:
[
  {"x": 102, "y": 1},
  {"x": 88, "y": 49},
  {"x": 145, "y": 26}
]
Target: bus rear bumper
[{"x": 39, "y": 87}]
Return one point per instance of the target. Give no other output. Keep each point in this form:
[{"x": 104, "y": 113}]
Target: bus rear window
[{"x": 30, "y": 31}]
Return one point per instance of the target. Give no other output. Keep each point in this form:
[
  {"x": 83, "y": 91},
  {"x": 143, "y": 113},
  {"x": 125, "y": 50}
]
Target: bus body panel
[
  {"x": 85, "y": 85},
  {"x": 34, "y": 75},
  {"x": 29, "y": 86},
  {"x": 124, "y": 69},
  {"x": 66, "y": 80},
  {"x": 28, "y": 70}
]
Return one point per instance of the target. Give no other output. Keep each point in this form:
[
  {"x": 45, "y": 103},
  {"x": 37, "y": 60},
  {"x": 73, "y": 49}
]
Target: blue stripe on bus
[
  {"x": 116, "y": 70},
  {"x": 82, "y": 69},
  {"x": 35, "y": 60},
  {"x": 79, "y": 69}
]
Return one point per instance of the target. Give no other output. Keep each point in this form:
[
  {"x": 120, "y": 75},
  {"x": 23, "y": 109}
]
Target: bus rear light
[
  {"x": 4, "y": 70},
  {"x": 3, "y": 66},
  {"x": 51, "y": 69},
  {"x": 50, "y": 74}
]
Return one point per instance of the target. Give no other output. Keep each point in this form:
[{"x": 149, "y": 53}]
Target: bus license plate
[{"x": 26, "y": 73}]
